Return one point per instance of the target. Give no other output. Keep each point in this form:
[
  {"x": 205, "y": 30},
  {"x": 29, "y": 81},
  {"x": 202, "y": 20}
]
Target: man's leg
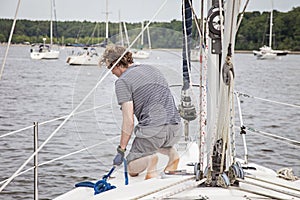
[
  {"x": 148, "y": 163},
  {"x": 173, "y": 158}
]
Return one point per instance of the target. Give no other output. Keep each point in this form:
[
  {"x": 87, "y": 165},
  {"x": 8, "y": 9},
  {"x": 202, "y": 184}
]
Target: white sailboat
[
  {"x": 140, "y": 53},
  {"x": 89, "y": 55},
  {"x": 208, "y": 168},
  {"x": 266, "y": 52},
  {"x": 45, "y": 51}
]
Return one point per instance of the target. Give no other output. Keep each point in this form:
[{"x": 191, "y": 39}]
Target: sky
[{"x": 126, "y": 10}]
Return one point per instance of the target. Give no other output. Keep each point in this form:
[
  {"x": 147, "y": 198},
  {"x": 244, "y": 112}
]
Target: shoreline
[
  {"x": 250, "y": 52},
  {"x": 236, "y": 51}
]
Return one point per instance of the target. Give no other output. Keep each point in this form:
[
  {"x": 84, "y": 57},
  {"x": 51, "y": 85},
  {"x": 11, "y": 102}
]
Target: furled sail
[{"x": 186, "y": 108}]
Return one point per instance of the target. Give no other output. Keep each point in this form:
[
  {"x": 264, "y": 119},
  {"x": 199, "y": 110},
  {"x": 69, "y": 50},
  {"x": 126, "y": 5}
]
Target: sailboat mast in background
[
  {"x": 266, "y": 52},
  {"x": 45, "y": 51}
]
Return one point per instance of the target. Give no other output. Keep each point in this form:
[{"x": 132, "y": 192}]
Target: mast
[
  {"x": 142, "y": 36},
  {"x": 106, "y": 28},
  {"x": 51, "y": 23},
  {"x": 120, "y": 29},
  {"x": 220, "y": 37},
  {"x": 271, "y": 27},
  {"x": 126, "y": 34},
  {"x": 149, "y": 39}
]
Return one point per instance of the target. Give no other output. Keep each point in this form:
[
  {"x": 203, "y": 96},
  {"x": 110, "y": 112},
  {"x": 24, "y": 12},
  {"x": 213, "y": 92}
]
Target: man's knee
[{"x": 133, "y": 174}]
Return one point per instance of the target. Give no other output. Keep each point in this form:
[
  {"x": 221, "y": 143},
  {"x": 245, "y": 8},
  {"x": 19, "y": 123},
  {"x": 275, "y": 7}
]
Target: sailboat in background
[
  {"x": 140, "y": 53},
  {"x": 90, "y": 55},
  {"x": 266, "y": 52},
  {"x": 87, "y": 56},
  {"x": 45, "y": 51}
]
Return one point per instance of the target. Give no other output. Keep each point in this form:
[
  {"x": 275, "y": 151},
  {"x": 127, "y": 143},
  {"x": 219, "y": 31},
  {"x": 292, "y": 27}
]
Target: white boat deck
[{"x": 259, "y": 183}]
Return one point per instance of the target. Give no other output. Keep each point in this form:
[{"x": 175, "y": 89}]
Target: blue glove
[{"x": 119, "y": 157}]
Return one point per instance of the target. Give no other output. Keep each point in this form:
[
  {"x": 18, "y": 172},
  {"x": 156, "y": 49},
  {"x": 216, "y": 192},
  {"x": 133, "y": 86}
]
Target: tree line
[{"x": 252, "y": 33}]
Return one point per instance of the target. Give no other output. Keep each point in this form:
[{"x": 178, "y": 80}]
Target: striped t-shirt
[{"x": 153, "y": 102}]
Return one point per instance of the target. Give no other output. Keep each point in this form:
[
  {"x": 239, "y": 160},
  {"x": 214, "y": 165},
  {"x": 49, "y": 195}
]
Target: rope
[
  {"x": 269, "y": 196},
  {"x": 125, "y": 171},
  {"x": 182, "y": 188},
  {"x": 203, "y": 102},
  {"x": 273, "y": 183},
  {"x": 168, "y": 186},
  {"x": 224, "y": 117},
  {"x": 287, "y": 173},
  {"x": 101, "y": 185},
  {"x": 268, "y": 187}
]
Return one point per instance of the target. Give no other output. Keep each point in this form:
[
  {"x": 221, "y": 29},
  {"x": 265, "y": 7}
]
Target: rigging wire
[
  {"x": 9, "y": 39},
  {"x": 242, "y": 15},
  {"x": 51, "y": 120},
  {"x": 93, "y": 34}
]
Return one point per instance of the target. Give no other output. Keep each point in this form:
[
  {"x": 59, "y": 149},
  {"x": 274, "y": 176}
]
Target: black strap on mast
[
  {"x": 186, "y": 108},
  {"x": 187, "y": 39}
]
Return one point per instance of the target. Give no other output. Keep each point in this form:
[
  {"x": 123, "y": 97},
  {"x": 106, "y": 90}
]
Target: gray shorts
[{"x": 148, "y": 140}]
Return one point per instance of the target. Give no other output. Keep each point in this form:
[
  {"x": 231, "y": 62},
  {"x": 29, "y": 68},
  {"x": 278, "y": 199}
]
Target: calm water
[{"x": 38, "y": 91}]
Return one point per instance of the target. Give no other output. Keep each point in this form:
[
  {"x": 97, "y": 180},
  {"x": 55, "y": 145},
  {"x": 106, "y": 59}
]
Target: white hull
[
  {"x": 172, "y": 186},
  {"x": 140, "y": 54},
  {"x": 281, "y": 52},
  {"x": 266, "y": 52},
  {"x": 261, "y": 55},
  {"x": 51, "y": 54},
  {"x": 83, "y": 60},
  {"x": 88, "y": 56}
]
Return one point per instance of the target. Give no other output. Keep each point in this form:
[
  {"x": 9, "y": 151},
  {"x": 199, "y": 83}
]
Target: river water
[{"x": 42, "y": 90}]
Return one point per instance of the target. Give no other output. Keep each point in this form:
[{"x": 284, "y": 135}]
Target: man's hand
[{"x": 119, "y": 157}]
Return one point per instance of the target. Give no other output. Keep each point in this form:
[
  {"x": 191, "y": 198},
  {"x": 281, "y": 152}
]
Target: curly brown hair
[{"x": 112, "y": 54}]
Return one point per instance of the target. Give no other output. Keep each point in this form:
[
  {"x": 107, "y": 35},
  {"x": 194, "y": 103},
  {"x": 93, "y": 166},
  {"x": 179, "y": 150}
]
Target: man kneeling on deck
[{"x": 143, "y": 91}]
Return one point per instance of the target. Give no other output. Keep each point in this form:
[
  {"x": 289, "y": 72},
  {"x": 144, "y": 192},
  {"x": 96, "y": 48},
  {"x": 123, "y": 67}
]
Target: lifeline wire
[
  {"x": 64, "y": 156},
  {"x": 51, "y": 120},
  {"x": 276, "y": 137},
  {"x": 272, "y": 101}
]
